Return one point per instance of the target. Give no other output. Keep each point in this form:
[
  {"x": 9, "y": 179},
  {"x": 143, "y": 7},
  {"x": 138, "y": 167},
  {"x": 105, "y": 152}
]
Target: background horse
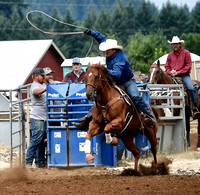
[
  {"x": 157, "y": 75},
  {"x": 113, "y": 113}
]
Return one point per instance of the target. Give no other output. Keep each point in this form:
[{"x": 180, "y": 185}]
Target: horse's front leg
[
  {"x": 94, "y": 129},
  {"x": 111, "y": 140},
  {"x": 115, "y": 124}
]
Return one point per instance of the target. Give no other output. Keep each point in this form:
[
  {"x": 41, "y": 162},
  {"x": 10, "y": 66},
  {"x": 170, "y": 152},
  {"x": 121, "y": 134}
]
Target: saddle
[
  {"x": 196, "y": 86},
  {"x": 179, "y": 80}
]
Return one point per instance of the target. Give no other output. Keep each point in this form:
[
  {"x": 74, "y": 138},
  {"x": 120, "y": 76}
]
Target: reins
[{"x": 106, "y": 107}]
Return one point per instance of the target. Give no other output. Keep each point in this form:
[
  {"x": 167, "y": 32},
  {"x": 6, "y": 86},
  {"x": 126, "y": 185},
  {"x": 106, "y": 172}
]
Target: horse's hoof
[
  {"x": 89, "y": 158},
  {"x": 198, "y": 148},
  {"x": 115, "y": 141}
]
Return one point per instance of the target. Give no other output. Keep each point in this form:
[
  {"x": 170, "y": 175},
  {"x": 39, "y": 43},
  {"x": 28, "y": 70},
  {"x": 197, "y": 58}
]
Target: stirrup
[
  {"x": 84, "y": 125},
  {"x": 148, "y": 121},
  {"x": 196, "y": 113}
]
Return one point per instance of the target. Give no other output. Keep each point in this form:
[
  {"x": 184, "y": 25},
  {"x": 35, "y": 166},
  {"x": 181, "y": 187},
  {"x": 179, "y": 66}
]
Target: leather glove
[{"x": 87, "y": 32}]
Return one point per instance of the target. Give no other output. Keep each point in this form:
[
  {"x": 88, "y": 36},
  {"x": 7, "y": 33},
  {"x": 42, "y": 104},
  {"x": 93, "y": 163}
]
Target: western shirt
[
  {"x": 182, "y": 62},
  {"x": 118, "y": 65}
]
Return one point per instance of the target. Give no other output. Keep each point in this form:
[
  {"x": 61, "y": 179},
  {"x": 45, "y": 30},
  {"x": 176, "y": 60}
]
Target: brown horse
[
  {"x": 113, "y": 113},
  {"x": 157, "y": 75}
]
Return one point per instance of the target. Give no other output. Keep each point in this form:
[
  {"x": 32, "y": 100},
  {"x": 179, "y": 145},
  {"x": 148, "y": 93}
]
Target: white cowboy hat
[
  {"x": 109, "y": 44},
  {"x": 176, "y": 39}
]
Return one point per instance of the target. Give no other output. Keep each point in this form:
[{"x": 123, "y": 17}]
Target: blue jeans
[
  {"x": 189, "y": 84},
  {"x": 37, "y": 145},
  {"x": 133, "y": 92}
]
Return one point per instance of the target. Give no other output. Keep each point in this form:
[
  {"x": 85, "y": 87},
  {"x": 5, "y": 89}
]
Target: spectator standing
[
  {"x": 37, "y": 120},
  {"x": 77, "y": 74},
  {"x": 48, "y": 78}
]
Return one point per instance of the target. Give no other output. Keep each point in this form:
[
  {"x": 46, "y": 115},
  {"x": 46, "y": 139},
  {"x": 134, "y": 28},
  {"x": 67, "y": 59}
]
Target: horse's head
[
  {"x": 94, "y": 76},
  {"x": 155, "y": 73}
]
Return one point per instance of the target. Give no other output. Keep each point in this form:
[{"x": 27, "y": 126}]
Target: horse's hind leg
[
  {"x": 130, "y": 145},
  {"x": 187, "y": 121},
  {"x": 198, "y": 129},
  {"x": 151, "y": 135}
]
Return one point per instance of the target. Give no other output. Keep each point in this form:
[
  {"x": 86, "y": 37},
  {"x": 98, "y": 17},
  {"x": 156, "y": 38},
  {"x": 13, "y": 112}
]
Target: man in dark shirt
[{"x": 77, "y": 74}]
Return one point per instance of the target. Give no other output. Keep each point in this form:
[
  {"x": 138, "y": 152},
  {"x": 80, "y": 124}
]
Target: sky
[{"x": 190, "y": 3}]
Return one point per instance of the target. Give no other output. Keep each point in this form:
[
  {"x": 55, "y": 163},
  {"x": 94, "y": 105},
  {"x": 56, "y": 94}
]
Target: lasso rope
[
  {"x": 53, "y": 33},
  {"x": 57, "y": 33}
]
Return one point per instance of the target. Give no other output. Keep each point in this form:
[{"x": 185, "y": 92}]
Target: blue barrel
[
  {"x": 65, "y": 144},
  {"x": 56, "y": 134},
  {"x": 79, "y": 105}
]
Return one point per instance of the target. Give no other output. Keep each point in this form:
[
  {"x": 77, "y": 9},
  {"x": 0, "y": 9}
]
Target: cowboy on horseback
[
  {"x": 179, "y": 64},
  {"x": 119, "y": 68}
]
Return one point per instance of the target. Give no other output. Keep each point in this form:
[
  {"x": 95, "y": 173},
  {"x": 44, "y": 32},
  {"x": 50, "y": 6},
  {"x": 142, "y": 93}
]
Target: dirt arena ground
[{"x": 182, "y": 176}]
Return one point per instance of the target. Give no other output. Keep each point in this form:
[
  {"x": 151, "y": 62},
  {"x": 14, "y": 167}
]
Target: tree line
[{"x": 142, "y": 30}]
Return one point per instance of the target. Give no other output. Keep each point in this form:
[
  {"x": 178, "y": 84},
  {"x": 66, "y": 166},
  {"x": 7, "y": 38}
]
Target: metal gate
[
  {"x": 14, "y": 119},
  {"x": 172, "y": 129}
]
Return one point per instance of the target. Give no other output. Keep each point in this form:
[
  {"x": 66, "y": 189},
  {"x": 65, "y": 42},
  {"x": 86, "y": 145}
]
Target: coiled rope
[{"x": 57, "y": 33}]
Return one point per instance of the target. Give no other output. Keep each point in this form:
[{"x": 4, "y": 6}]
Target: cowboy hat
[
  {"x": 176, "y": 39},
  {"x": 109, "y": 44}
]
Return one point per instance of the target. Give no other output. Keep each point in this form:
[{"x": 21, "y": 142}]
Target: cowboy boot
[
  {"x": 83, "y": 123},
  {"x": 196, "y": 113},
  {"x": 149, "y": 121}
]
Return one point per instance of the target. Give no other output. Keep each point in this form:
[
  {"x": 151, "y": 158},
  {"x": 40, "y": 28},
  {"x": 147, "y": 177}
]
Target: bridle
[
  {"x": 103, "y": 109},
  {"x": 97, "y": 85},
  {"x": 157, "y": 78}
]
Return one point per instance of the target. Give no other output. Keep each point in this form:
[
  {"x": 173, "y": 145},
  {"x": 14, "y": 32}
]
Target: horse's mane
[{"x": 105, "y": 72}]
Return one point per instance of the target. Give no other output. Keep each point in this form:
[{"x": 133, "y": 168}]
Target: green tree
[
  {"x": 42, "y": 24},
  {"x": 103, "y": 22},
  {"x": 7, "y": 7},
  {"x": 142, "y": 48},
  {"x": 117, "y": 21},
  {"x": 144, "y": 18},
  {"x": 192, "y": 42},
  {"x": 195, "y": 19},
  {"x": 183, "y": 20},
  {"x": 90, "y": 20},
  {"x": 71, "y": 45},
  {"x": 13, "y": 25},
  {"x": 129, "y": 23},
  {"x": 3, "y": 26},
  {"x": 168, "y": 20}
]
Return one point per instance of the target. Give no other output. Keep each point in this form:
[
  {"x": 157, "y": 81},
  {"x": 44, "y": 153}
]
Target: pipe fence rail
[{"x": 18, "y": 100}]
